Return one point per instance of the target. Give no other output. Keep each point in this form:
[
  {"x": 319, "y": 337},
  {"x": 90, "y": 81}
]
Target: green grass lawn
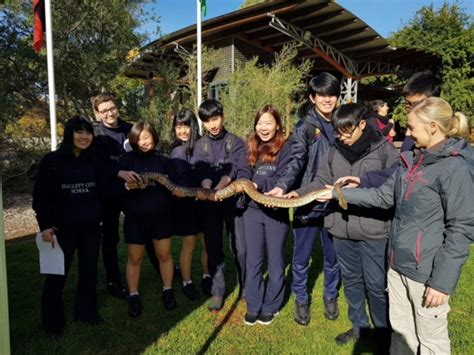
[{"x": 191, "y": 328}]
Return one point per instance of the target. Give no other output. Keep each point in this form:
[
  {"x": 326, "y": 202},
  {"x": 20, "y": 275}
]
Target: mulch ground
[{"x": 18, "y": 217}]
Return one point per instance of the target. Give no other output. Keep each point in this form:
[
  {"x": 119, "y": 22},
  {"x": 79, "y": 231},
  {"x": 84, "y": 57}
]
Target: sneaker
[
  {"x": 116, "y": 290},
  {"x": 134, "y": 306},
  {"x": 352, "y": 334},
  {"x": 168, "y": 299},
  {"x": 215, "y": 303},
  {"x": 302, "y": 313},
  {"x": 266, "y": 318},
  {"x": 190, "y": 292},
  {"x": 206, "y": 285},
  {"x": 250, "y": 318},
  {"x": 331, "y": 309}
]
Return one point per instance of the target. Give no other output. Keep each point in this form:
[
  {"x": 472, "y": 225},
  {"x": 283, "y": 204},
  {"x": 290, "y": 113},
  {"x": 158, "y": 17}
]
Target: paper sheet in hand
[{"x": 51, "y": 259}]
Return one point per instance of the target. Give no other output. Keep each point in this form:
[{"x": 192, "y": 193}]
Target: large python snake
[{"x": 234, "y": 188}]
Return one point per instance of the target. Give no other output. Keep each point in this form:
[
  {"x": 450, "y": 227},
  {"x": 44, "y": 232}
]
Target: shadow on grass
[
  {"x": 218, "y": 329},
  {"x": 120, "y": 334}
]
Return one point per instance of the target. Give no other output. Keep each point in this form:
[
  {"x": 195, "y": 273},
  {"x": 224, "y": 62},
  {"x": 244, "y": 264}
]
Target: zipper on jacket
[
  {"x": 418, "y": 247},
  {"x": 412, "y": 178}
]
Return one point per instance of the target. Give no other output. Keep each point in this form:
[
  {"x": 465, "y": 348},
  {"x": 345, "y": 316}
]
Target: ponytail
[{"x": 459, "y": 126}]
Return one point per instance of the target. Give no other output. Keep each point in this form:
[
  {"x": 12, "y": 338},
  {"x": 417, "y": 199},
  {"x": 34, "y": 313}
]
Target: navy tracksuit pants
[
  {"x": 265, "y": 234},
  {"x": 87, "y": 242},
  {"x": 364, "y": 271},
  {"x": 213, "y": 216},
  {"x": 305, "y": 236}
]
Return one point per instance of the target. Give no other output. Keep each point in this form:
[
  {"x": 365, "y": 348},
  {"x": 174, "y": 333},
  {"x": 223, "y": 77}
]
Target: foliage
[
  {"x": 448, "y": 32},
  {"x": 209, "y": 60},
  {"x": 248, "y": 3},
  {"x": 252, "y": 86},
  {"x": 90, "y": 48}
]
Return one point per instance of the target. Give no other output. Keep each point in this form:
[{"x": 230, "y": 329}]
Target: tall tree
[
  {"x": 91, "y": 41},
  {"x": 448, "y": 32}
]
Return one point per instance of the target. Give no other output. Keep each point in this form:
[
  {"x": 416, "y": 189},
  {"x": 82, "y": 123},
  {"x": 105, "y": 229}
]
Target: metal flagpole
[
  {"x": 4, "y": 320},
  {"x": 50, "y": 58},
  {"x": 199, "y": 59}
]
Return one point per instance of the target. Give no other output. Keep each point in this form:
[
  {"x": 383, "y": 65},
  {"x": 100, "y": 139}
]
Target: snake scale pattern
[{"x": 237, "y": 186}]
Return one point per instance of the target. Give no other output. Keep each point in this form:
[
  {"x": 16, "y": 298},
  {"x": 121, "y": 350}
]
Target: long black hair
[
  {"x": 74, "y": 124},
  {"x": 188, "y": 118}
]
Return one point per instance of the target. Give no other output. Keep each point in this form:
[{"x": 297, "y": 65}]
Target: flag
[
  {"x": 40, "y": 24},
  {"x": 204, "y": 7}
]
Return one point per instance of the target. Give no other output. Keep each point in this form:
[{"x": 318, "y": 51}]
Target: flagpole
[
  {"x": 50, "y": 59},
  {"x": 199, "y": 58}
]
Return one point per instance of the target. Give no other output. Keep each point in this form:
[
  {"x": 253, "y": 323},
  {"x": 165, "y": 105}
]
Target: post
[
  {"x": 4, "y": 318},
  {"x": 51, "y": 85}
]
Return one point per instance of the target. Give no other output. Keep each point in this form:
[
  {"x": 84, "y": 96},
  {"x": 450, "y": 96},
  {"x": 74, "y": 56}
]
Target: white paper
[{"x": 51, "y": 259}]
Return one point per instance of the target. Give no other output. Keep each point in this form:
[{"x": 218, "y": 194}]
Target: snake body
[{"x": 237, "y": 186}]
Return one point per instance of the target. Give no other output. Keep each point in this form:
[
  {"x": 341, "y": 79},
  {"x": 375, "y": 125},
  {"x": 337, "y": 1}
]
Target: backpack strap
[{"x": 229, "y": 143}]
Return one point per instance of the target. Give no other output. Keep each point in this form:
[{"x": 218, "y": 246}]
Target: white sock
[
  {"x": 205, "y": 276},
  {"x": 134, "y": 293},
  {"x": 187, "y": 282}
]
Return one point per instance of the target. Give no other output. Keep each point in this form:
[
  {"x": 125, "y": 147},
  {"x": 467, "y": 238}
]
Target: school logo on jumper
[
  {"x": 79, "y": 188},
  {"x": 264, "y": 169},
  {"x": 317, "y": 133}
]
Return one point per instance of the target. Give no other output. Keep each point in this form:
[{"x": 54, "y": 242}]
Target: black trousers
[
  {"x": 86, "y": 240},
  {"x": 110, "y": 240},
  {"x": 213, "y": 216}
]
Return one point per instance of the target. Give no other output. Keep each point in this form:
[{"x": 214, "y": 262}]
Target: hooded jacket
[
  {"x": 312, "y": 138},
  {"x": 357, "y": 223},
  {"x": 433, "y": 224}
]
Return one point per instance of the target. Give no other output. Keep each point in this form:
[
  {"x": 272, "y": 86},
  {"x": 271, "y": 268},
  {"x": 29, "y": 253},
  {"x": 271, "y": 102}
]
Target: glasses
[
  {"x": 106, "y": 111},
  {"x": 346, "y": 134}
]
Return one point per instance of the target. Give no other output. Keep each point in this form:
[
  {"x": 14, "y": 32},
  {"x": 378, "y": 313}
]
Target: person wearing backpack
[
  {"x": 433, "y": 225},
  {"x": 312, "y": 138},
  {"x": 217, "y": 155},
  {"x": 360, "y": 234}
]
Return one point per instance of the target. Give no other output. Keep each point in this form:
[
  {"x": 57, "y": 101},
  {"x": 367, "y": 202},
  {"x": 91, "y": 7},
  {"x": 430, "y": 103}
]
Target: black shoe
[
  {"x": 302, "y": 313},
  {"x": 190, "y": 292},
  {"x": 250, "y": 318},
  {"x": 266, "y": 318},
  {"x": 331, "y": 309},
  {"x": 134, "y": 306},
  {"x": 116, "y": 290},
  {"x": 168, "y": 299},
  {"x": 352, "y": 334},
  {"x": 206, "y": 285}
]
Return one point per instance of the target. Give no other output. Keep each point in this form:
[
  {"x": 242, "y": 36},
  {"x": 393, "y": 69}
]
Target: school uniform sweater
[
  {"x": 154, "y": 199},
  {"x": 68, "y": 189}
]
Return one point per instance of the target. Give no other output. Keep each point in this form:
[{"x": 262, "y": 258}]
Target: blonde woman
[{"x": 432, "y": 229}]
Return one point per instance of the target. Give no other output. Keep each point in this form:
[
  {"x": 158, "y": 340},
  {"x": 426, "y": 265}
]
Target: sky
[{"x": 384, "y": 16}]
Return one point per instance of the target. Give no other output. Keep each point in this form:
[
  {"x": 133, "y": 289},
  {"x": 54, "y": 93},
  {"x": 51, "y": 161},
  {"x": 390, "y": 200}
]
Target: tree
[
  {"x": 251, "y": 86},
  {"x": 447, "y": 32},
  {"x": 90, "y": 49}
]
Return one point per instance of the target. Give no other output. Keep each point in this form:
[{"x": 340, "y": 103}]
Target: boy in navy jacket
[{"x": 216, "y": 156}]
